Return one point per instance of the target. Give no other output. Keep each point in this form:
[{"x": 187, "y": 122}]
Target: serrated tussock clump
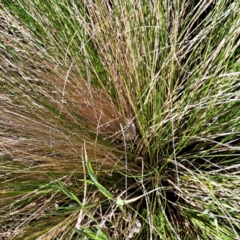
[{"x": 119, "y": 119}]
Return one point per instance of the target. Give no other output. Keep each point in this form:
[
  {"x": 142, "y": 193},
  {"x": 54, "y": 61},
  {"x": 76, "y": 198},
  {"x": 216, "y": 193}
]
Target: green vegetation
[{"x": 120, "y": 119}]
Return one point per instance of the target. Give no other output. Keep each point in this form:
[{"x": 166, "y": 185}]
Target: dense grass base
[{"x": 119, "y": 119}]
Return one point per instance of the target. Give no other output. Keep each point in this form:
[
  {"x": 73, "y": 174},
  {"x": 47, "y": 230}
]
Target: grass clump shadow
[{"x": 119, "y": 120}]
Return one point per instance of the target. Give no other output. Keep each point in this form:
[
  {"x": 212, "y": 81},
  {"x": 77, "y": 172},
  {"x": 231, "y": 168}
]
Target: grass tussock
[{"x": 119, "y": 119}]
